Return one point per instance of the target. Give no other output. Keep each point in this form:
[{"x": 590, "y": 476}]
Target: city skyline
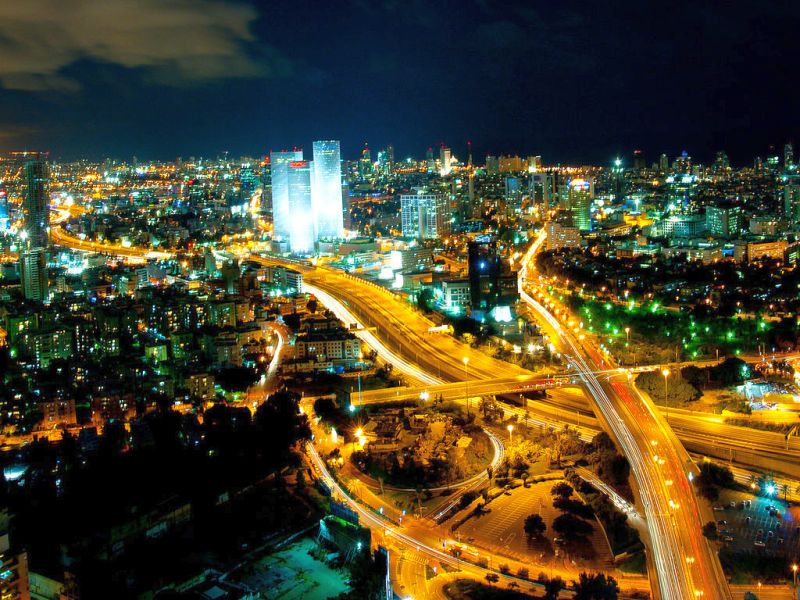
[
  {"x": 521, "y": 317},
  {"x": 660, "y": 82}
]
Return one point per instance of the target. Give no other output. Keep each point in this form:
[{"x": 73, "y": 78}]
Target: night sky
[{"x": 574, "y": 82}]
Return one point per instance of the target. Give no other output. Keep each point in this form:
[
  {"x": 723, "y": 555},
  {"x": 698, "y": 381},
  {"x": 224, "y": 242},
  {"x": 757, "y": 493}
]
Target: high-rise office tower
[
  {"x": 248, "y": 182},
  {"x": 534, "y": 164},
  {"x": 581, "y": 192},
  {"x": 683, "y": 163},
  {"x": 663, "y": 164},
  {"x": 639, "y": 163},
  {"x": 326, "y": 190},
  {"x": 365, "y": 163},
  {"x": 724, "y": 221},
  {"x": 491, "y": 283},
  {"x": 302, "y": 228},
  {"x": 541, "y": 191},
  {"x": 423, "y": 215},
  {"x": 788, "y": 156},
  {"x": 445, "y": 158},
  {"x": 390, "y": 157},
  {"x": 430, "y": 161},
  {"x": 5, "y": 220},
  {"x": 35, "y": 232},
  {"x": 279, "y": 170},
  {"x": 513, "y": 194},
  {"x": 619, "y": 180},
  {"x": 35, "y": 204},
  {"x": 791, "y": 204}
]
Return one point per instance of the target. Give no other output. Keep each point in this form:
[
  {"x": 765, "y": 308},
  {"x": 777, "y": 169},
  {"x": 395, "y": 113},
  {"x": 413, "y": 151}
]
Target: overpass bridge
[{"x": 462, "y": 389}]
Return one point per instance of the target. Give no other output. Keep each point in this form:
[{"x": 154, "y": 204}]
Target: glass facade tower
[
  {"x": 326, "y": 189},
  {"x": 301, "y": 215},
  {"x": 279, "y": 171}
]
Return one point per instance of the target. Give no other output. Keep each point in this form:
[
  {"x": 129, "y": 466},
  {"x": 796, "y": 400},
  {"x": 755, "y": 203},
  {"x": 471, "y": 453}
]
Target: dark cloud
[
  {"x": 173, "y": 41},
  {"x": 571, "y": 80}
]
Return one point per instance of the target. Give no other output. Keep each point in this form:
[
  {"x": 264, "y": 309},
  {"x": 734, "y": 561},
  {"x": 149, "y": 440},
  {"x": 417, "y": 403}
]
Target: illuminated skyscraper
[
  {"x": 445, "y": 158},
  {"x": 301, "y": 214},
  {"x": 423, "y": 215},
  {"x": 788, "y": 157},
  {"x": 326, "y": 190},
  {"x": 534, "y": 164},
  {"x": 581, "y": 192},
  {"x": 513, "y": 194},
  {"x": 279, "y": 169},
  {"x": 35, "y": 232},
  {"x": 4, "y": 216},
  {"x": 663, "y": 164},
  {"x": 791, "y": 203},
  {"x": 541, "y": 192}
]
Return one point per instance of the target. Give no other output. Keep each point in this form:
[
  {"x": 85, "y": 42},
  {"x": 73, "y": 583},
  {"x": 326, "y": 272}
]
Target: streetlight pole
[
  {"x": 466, "y": 381},
  {"x": 361, "y": 364},
  {"x": 628, "y": 334},
  {"x": 665, "y": 373},
  {"x": 510, "y": 435},
  {"x": 794, "y": 574}
]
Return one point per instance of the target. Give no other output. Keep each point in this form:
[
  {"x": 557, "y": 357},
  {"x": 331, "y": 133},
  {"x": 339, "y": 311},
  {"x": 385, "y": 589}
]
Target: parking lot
[
  {"x": 502, "y": 527},
  {"x": 756, "y": 528}
]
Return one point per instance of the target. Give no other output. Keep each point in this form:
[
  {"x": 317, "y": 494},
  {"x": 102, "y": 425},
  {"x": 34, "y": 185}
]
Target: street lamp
[
  {"x": 359, "y": 434},
  {"x": 794, "y": 574},
  {"x": 361, "y": 364},
  {"x": 665, "y": 373},
  {"x": 510, "y": 434},
  {"x": 466, "y": 381},
  {"x": 628, "y": 334}
]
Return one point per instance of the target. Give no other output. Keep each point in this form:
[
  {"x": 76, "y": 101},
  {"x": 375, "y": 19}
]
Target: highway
[{"x": 685, "y": 563}]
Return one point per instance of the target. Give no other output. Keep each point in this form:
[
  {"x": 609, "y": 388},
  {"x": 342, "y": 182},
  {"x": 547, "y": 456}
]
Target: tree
[
  {"x": 678, "y": 389},
  {"x": 562, "y": 489},
  {"x": 552, "y": 587},
  {"x": 572, "y": 527},
  {"x": 281, "y": 424},
  {"x": 710, "y": 530},
  {"x": 730, "y": 372},
  {"x": 425, "y": 300},
  {"x": 534, "y": 526},
  {"x": 595, "y": 587}
]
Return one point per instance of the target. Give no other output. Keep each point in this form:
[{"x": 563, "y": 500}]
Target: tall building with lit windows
[
  {"x": 581, "y": 192},
  {"x": 791, "y": 203},
  {"x": 35, "y": 229},
  {"x": 445, "y": 158},
  {"x": 423, "y": 215},
  {"x": 279, "y": 171},
  {"x": 326, "y": 189},
  {"x": 301, "y": 227}
]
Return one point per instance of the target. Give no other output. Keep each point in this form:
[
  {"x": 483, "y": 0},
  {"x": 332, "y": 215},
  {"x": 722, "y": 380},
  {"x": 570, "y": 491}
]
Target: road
[
  {"x": 658, "y": 462},
  {"x": 685, "y": 563},
  {"x": 268, "y": 383}
]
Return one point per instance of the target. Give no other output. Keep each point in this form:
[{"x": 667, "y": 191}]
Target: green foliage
[
  {"x": 595, "y": 587},
  {"x": 572, "y": 506},
  {"x": 679, "y": 391},
  {"x": 710, "y": 530},
  {"x": 572, "y": 527},
  {"x": 534, "y": 526},
  {"x": 711, "y": 478},
  {"x": 561, "y": 489}
]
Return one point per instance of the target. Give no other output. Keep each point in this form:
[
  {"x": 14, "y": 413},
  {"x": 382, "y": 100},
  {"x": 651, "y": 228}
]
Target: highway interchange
[{"x": 686, "y": 565}]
